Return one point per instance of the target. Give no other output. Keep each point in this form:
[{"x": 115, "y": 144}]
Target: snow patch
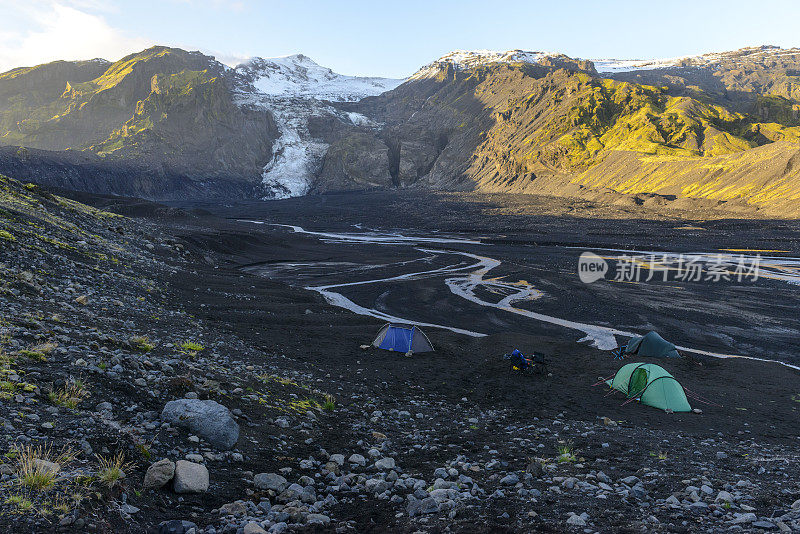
[
  {"x": 300, "y": 76},
  {"x": 701, "y": 60},
  {"x": 468, "y": 59},
  {"x": 360, "y": 120},
  {"x": 295, "y": 88}
]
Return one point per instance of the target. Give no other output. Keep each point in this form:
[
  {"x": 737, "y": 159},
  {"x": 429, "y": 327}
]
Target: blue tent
[{"x": 402, "y": 339}]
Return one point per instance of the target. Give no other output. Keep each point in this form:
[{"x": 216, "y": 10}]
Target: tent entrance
[{"x": 637, "y": 382}]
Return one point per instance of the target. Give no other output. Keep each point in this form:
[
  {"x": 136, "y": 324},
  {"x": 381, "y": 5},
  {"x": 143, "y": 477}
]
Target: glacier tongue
[
  {"x": 294, "y": 88},
  {"x": 295, "y": 154}
]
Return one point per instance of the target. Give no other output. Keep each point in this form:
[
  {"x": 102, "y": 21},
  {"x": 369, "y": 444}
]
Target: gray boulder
[
  {"x": 317, "y": 519},
  {"x": 270, "y": 481},
  {"x": 159, "y": 473},
  {"x": 576, "y": 521},
  {"x": 190, "y": 477},
  {"x": 176, "y": 526},
  {"x": 510, "y": 479},
  {"x": 253, "y": 528},
  {"x": 384, "y": 464},
  {"x": 425, "y": 506},
  {"x": 357, "y": 459},
  {"x": 206, "y": 418}
]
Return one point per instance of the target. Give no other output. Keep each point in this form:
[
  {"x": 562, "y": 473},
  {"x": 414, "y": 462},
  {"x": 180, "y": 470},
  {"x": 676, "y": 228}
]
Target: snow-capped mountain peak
[
  {"x": 698, "y": 60},
  {"x": 468, "y": 59},
  {"x": 299, "y": 75},
  {"x": 294, "y": 88}
]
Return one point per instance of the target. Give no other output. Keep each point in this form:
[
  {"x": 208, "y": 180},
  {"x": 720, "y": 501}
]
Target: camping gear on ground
[
  {"x": 519, "y": 362},
  {"x": 652, "y": 385},
  {"x": 407, "y": 339},
  {"x": 619, "y": 352},
  {"x": 650, "y": 345}
]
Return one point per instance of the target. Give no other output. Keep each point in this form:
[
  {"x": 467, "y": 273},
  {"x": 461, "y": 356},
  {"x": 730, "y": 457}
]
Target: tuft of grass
[
  {"x": 33, "y": 473},
  {"x": 22, "y": 504},
  {"x": 70, "y": 395},
  {"x": 112, "y": 469},
  {"x": 45, "y": 348},
  {"x": 660, "y": 455},
  {"x": 61, "y": 505},
  {"x": 191, "y": 347},
  {"x": 566, "y": 453},
  {"x": 142, "y": 343},
  {"x": 278, "y": 380},
  {"x": 329, "y": 404}
]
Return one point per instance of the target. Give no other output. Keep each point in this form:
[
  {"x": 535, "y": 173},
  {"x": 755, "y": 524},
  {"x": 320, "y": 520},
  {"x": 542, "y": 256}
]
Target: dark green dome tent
[
  {"x": 652, "y": 385},
  {"x": 651, "y": 345}
]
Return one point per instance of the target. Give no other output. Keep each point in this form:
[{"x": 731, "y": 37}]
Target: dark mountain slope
[{"x": 165, "y": 112}]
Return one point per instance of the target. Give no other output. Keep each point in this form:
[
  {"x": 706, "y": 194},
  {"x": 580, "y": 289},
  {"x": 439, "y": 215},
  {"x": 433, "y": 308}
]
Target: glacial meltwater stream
[{"x": 467, "y": 277}]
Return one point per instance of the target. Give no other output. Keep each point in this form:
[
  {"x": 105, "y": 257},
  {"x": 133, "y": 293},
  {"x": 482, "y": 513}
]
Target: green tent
[
  {"x": 651, "y": 345},
  {"x": 652, "y": 385}
]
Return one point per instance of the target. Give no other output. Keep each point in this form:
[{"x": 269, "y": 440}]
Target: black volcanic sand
[
  {"x": 461, "y": 401},
  {"x": 756, "y": 319}
]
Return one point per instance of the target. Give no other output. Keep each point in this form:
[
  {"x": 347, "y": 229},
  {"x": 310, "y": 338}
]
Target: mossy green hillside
[{"x": 74, "y": 110}]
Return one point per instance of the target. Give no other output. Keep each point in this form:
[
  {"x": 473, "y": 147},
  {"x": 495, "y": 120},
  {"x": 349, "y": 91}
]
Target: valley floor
[{"x": 148, "y": 310}]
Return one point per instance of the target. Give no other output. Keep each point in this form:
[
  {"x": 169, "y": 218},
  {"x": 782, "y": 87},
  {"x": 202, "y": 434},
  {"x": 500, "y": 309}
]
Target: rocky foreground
[{"x": 126, "y": 408}]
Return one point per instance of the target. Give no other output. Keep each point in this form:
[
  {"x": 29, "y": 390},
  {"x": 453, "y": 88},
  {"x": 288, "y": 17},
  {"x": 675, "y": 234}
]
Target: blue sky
[{"x": 387, "y": 38}]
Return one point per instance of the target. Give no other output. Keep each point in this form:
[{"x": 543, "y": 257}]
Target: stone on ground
[
  {"x": 190, "y": 477},
  {"x": 206, "y": 418},
  {"x": 270, "y": 481},
  {"x": 159, "y": 473}
]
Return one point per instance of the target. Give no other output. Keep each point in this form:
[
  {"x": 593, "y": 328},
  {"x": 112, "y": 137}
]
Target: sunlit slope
[
  {"x": 73, "y": 109},
  {"x": 767, "y": 176},
  {"x": 575, "y": 129}
]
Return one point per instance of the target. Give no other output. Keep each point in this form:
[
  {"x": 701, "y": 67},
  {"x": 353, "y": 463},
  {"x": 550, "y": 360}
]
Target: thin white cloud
[
  {"x": 229, "y": 59},
  {"x": 43, "y": 31}
]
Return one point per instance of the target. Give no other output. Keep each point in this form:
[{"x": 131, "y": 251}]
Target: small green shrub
[
  {"x": 192, "y": 346},
  {"x": 33, "y": 355},
  {"x": 566, "y": 454},
  {"x": 142, "y": 343},
  {"x": 22, "y": 504}
]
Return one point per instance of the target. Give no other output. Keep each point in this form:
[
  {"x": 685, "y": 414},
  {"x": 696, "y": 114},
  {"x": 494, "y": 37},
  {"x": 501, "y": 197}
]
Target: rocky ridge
[{"x": 697, "y": 128}]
